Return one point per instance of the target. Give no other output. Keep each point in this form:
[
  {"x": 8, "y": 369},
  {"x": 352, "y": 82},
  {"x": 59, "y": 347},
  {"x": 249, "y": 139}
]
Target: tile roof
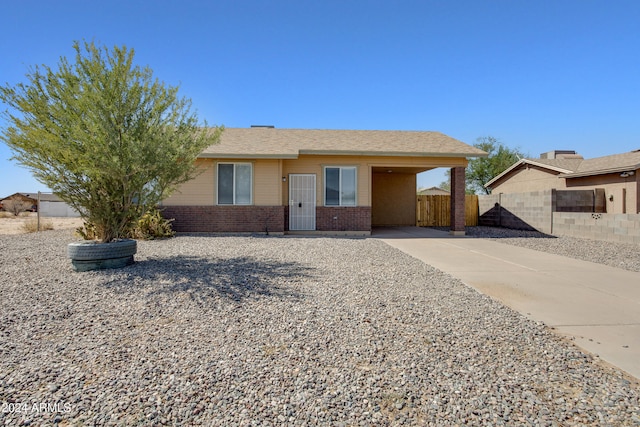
[{"x": 290, "y": 143}]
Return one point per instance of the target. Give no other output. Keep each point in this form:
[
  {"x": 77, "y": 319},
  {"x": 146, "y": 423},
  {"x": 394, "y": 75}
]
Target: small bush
[
  {"x": 87, "y": 231},
  {"x": 31, "y": 225},
  {"x": 151, "y": 226}
]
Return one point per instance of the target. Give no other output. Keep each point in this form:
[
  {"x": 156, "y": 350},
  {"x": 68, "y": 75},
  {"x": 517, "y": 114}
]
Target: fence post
[{"x": 38, "y": 211}]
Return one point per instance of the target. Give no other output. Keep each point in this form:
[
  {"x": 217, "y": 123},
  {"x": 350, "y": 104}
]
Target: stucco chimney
[{"x": 560, "y": 154}]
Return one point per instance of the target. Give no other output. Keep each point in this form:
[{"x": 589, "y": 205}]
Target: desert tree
[
  {"x": 483, "y": 169},
  {"x": 16, "y": 206},
  {"x": 104, "y": 134}
]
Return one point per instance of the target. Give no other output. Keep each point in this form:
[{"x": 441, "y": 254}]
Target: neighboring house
[
  {"x": 29, "y": 200},
  {"x": 433, "y": 191},
  {"x": 615, "y": 177},
  {"x": 286, "y": 180},
  {"x": 50, "y": 204}
]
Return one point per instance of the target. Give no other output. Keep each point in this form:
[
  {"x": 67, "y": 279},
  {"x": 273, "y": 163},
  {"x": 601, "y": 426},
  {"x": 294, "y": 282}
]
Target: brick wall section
[
  {"x": 357, "y": 218},
  {"x": 598, "y": 226},
  {"x": 226, "y": 218},
  {"x": 457, "y": 199}
]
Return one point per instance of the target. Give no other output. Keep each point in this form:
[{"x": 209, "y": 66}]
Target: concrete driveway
[{"x": 596, "y": 304}]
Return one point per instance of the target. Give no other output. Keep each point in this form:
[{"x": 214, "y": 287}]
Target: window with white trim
[
  {"x": 340, "y": 186},
  {"x": 234, "y": 183}
]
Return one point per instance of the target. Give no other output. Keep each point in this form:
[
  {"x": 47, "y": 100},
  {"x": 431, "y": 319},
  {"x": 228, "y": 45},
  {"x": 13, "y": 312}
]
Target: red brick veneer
[
  {"x": 457, "y": 199},
  {"x": 226, "y": 218},
  {"x": 357, "y": 218}
]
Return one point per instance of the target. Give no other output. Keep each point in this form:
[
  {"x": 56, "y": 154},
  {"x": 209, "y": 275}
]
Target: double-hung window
[
  {"x": 234, "y": 183},
  {"x": 340, "y": 186}
]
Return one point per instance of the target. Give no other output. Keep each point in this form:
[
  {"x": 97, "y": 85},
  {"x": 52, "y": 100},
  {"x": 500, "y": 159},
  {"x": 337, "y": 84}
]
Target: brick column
[{"x": 457, "y": 201}]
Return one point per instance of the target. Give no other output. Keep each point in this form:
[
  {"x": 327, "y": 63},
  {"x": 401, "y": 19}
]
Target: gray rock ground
[
  {"x": 279, "y": 331},
  {"x": 619, "y": 255}
]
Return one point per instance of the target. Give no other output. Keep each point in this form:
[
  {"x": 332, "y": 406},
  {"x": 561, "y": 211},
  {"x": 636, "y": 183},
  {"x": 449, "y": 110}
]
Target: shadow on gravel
[
  {"x": 201, "y": 278},
  {"x": 500, "y": 233}
]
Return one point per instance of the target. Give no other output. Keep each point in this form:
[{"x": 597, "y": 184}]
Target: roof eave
[
  {"x": 388, "y": 153},
  {"x": 334, "y": 153},
  {"x": 522, "y": 162},
  {"x": 618, "y": 169},
  {"x": 246, "y": 156},
  {"x": 506, "y": 171},
  {"x": 545, "y": 166}
]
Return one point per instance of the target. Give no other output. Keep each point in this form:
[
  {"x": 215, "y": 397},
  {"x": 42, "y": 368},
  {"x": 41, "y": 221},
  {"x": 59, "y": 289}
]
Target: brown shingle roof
[
  {"x": 566, "y": 164},
  {"x": 290, "y": 143},
  {"x": 575, "y": 168},
  {"x": 607, "y": 164}
]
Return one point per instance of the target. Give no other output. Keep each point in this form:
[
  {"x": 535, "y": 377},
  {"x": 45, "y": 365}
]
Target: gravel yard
[
  {"x": 225, "y": 330},
  {"x": 619, "y": 255}
]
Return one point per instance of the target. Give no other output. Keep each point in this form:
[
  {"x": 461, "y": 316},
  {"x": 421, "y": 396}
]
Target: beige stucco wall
[
  {"x": 198, "y": 191},
  {"x": 270, "y": 190},
  {"x": 393, "y": 199},
  {"x": 621, "y": 193},
  {"x": 315, "y": 165},
  {"x": 201, "y": 191},
  {"x": 527, "y": 179}
]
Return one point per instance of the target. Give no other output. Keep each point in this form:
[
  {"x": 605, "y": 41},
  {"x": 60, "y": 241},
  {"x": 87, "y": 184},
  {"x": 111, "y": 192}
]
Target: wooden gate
[{"x": 435, "y": 211}]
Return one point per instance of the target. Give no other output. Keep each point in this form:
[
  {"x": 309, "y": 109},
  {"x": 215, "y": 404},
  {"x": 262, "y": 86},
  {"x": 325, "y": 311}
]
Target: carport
[{"x": 394, "y": 190}]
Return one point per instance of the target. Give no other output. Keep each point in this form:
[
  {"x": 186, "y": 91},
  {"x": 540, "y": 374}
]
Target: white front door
[{"x": 302, "y": 202}]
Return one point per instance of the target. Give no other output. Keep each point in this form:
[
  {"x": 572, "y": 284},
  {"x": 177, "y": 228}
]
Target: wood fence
[{"x": 435, "y": 211}]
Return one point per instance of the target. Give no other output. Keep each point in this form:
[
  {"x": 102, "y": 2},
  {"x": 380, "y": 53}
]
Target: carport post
[{"x": 457, "y": 201}]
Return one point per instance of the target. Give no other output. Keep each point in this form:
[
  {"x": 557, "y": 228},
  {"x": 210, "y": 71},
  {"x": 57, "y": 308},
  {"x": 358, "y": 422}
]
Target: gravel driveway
[{"x": 265, "y": 331}]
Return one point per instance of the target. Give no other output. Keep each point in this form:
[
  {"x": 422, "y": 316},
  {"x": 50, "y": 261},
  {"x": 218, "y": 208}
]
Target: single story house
[
  {"x": 263, "y": 179},
  {"x": 615, "y": 177},
  {"x": 29, "y": 201},
  {"x": 433, "y": 191},
  {"x": 48, "y": 204}
]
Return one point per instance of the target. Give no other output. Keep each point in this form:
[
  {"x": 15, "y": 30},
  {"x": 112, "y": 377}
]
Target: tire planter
[{"x": 86, "y": 256}]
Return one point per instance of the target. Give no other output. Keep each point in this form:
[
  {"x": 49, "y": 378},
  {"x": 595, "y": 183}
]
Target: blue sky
[{"x": 537, "y": 75}]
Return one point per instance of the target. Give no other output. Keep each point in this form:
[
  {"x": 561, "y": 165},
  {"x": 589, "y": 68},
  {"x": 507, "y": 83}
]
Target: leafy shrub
[
  {"x": 87, "y": 231},
  {"x": 151, "y": 226}
]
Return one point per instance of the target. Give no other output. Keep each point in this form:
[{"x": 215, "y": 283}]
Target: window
[
  {"x": 234, "y": 183},
  {"x": 340, "y": 186}
]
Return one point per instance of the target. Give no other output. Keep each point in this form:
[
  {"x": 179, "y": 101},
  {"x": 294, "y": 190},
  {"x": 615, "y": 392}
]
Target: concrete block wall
[
  {"x": 522, "y": 211},
  {"x": 598, "y": 226},
  {"x": 575, "y": 201},
  {"x": 538, "y": 210},
  {"x": 528, "y": 210},
  {"x": 489, "y": 210}
]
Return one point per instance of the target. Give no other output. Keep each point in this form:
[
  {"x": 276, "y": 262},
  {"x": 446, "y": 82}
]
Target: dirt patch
[{"x": 14, "y": 225}]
